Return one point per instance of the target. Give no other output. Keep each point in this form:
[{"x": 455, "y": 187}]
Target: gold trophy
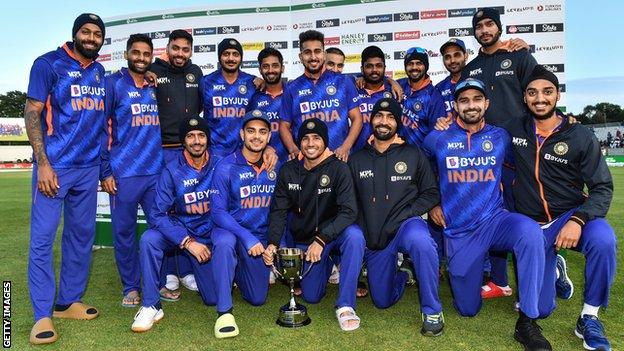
[{"x": 288, "y": 267}]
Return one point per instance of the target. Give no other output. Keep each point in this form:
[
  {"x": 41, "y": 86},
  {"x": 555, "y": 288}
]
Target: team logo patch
[
  {"x": 94, "y": 17},
  {"x": 153, "y": 95},
  {"x": 324, "y": 180},
  {"x": 331, "y": 90},
  {"x": 97, "y": 77},
  {"x": 561, "y": 148},
  {"x": 256, "y": 113},
  {"x": 233, "y": 42},
  {"x": 190, "y": 78},
  {"x": 506, "y": 64},
  {"x": 310, "y": 125},
  {"x": 272, "y": 175},
  {"x": 479, "y": 14},
  {"x": 418, "y": 106},
  {"x": 384, "y": 104},
  {"x": 400, "y": 167},
  {"x": 387, "y": 94},
  {"x": 487, "y": 146},
  {"x": 242, "y": 89},
  {"x": 452, "y": 40},
  {"x": 193, "y": 122}
]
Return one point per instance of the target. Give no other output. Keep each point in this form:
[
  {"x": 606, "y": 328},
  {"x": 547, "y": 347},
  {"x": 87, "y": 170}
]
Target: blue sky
[{"x": 594, "y": 71}]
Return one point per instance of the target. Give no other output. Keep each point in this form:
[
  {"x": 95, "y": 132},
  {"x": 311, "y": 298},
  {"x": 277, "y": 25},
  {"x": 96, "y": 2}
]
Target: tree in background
[
  {"x": 603, "y": 112},
  {"x": 12, "y": 104}
]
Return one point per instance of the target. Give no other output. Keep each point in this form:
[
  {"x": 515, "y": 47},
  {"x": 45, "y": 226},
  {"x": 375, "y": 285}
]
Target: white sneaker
[
  {"x": 145, "y": 318},
  {"x": 189, "y": 282},
  {"x": 334, "y": 278},
  {"x": 272, "y": 278},
  {"x": 173, "y": 283}
]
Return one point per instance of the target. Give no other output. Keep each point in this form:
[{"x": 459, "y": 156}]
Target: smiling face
[
  {"x": 255, "y": 135},
  {"x": 312, "y": 146},
  {"x": 487, "y": 32},
  {"x": 334, "y": 62},
  {"x": 384, "y": 125},
  {"x": 196, "y": 143},
  {"x": 230, "y": 60},
  {"x": 471, "y": 105},
  {"x": 139, "y": 57},
  {"x": 271, "y": 69},
  {"x": 312, "y": 56},
  {"x": 541, "y": 97},
  {"x": 89, "y": 40},
  {"x": 415, "y": 70},
  {"x": 454, "y": 59},
  {"x": 179, "y": 52},
  {"x": 373, "y": 70}
]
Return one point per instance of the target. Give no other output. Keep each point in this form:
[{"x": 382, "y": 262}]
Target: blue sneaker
[
  {"x": 563, "y": 284},
  {"x": 591, "y": 331},
  {"x": 433, "y": 324}
]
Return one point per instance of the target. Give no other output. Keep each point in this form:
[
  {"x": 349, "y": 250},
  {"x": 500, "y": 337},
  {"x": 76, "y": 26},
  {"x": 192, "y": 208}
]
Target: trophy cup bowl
[{"x": 288, "y": 266}]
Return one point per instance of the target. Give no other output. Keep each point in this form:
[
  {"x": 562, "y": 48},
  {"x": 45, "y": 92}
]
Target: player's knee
[
  {"x": 256, "y": 300},
  {"x": 149, "y": 239},
  {"x": 467, "y": 310},
  {"x": 354, "y": 238},
  {"x": 223, "y": 239},
  {"x": 312, "y": 296},
  {"x": 381, "y": 303},
  {"x": 602, "y": 237}
]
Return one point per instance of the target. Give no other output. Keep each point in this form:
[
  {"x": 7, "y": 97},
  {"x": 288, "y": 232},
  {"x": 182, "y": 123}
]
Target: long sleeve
[
  {"x": 280, "y": 204},
  {"x": 429, "y": 194},
  {"x": 597, "y": 177},
  {"x": 165, "y": 198},
  {"x": 347, "y": 207},
  {"x": 107, "y": 134}
]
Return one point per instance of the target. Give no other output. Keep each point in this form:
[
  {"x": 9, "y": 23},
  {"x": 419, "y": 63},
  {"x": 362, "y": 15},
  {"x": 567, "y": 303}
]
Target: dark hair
[
  {"x": 180, "y": 34},
  {"x": 139, "y": 38},
  {"x": 310, "y": 35},
  {"x": 371, "y": 52},
  {"x": 335, "y": 50},
  {"x": 270, "y": 52}
]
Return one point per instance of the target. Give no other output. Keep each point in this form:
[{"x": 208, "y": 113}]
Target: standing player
[
  {"x": 318, "y": 192},
  {"x": 422, "y": 102},
  {"x": 269, "y": 100},
  {"x": 183, "y": 220},
  {"x": 179, "y": 97},
  {"x": 241, "y": 205},
  {"x": 323, "y": 94},
  {"x": 555, "y": 161},
  {"x": 375, "y": 87},
  {"x": 469, "y": 157},
  {"x": 64, "y": 118},
  {"x": 454, "y": 57},
  {"x": 394, "y": 187},
  {"x": 226, "y": 94},
  {"x": 334, "y": 59},
  {"x": 131, "y": 158}
]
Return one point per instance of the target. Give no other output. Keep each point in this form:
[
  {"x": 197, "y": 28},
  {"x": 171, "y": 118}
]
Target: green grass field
[{"x": 188, "y": 324}]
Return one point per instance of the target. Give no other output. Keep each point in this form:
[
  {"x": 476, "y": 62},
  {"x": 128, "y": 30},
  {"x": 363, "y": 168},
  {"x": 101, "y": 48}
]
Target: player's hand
[
  {"x": 516, "y": 44},
  {"x": 573, "y": 120},
  {"x": 47, "y": 181},
  {"x": 259, "y": 83},
  {"x": 314, "y": 252},
  {"x": 293, "y": 154},
  {"x": 267, "y": 255},
  {"x": 269, "y": 158},
  {"x": 443, "y": 123},
  {"x": 151, "y": 78},
  {"x": 568, "y": 236},
  {"x": 397, "y": 91},
  {"x": 437, "y": 216},
  {"x": 109, "y": 185},
  {"x": 256, "y": 250},
  {"x": 200, "y": 251},
  {"x": 359, "y": 82},
  {"x": 342, "y": 153}
]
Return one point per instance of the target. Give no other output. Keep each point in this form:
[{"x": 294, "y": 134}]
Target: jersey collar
[{"x": 68, "y": 47}]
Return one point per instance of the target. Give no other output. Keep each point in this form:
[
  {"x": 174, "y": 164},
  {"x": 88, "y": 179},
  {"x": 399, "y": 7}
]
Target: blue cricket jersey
[
  {"x": 367, "y": 100},
  {"x": 447, "y": 89},
  {"x": 330, "y": 98},
  {"x": 470, "y": 173},
  {"x": 242, "y": 199},
  {"x": 73, "y": 117},
  {"x": 132, "y": 142},
  {"x": 183, "y": 199},
  {"x": 272, "y": 106},
  {"x": 225, "y": 106},
  {"x": 421, "y": 110}
]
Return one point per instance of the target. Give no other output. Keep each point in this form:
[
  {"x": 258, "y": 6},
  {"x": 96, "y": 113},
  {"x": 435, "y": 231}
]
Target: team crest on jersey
[
  {"x": 487, "y": 145},
  {"x": 310, "y": 125},
  {"x": 272, "y": 175},
  {"x": 561, "y": 148},
  {"x": 190, "y": 78},
  {"x": 324, "y": 180},
  {"x": 193, "y": 122},
  {"x": 242, "y": 89},
  {"x": 400, "y": 167},
  {"x": 153, "y": 95},
  {"x": 387, "y": 94},
  {"x": 97, "y": 77},
  {"x": 331, "y": 90},
  {"x": 418, "y": 106},
  {"x": 506, "y": 64}
]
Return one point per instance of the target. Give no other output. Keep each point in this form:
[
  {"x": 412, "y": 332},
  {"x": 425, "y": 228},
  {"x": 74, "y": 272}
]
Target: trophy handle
[
  {"x": 274, "y": 269},
  {"x": 306, "y": 271}
]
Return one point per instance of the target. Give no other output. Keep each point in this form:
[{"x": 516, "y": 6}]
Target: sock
[
  {"x": 222, "y": 313},
  {"x": 590, "y": 310}
]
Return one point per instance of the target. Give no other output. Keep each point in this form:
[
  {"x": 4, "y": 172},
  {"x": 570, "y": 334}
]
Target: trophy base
[{"x": 293, "y": 317}]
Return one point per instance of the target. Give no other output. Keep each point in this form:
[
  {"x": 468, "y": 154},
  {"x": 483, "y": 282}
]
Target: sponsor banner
[{"x": 615, "y": 161}]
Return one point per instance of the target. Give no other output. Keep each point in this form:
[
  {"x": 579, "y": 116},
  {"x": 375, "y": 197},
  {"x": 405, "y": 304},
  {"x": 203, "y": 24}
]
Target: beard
[
  {"x": 231, "y": 70},
  {"x": 88, "y": 53},
  {"x": 542, "y": 116},
  {"x": 370, "y": 80},
  {"x": 132, "y": 67},
  {"x": 276, "y": 80},
  {"x": 493, "y": 41},
  {"x": 473, "y": 119},
  {"x": 418, "y": 77},
  {"x": 384, "y": 136},
  {"x": 311, "y": 70},
  {"x": 249, "y": 146}
]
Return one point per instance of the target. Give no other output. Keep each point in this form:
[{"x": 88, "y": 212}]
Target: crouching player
[
  {"x": 241, "y": 203},
  {"x": 183, "y": 219},
  {"x": 394, "y": 186},
  {"x": 469, "y": 158},
  {"x": 318, "y": 192}
]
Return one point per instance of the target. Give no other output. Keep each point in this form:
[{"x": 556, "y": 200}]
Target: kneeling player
[
  {"x": 183, "y": 220},
  {"x": 394, "y": 186},
  {"x": 469, "y": 157},
  {"x": 241, "y": 203},
  {"x": 318, "y": 192}
]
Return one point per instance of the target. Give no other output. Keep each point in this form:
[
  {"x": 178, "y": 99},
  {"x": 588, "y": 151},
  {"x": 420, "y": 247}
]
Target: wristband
[
  {"x": 319, "y": 241},
  {"x": 578, "y": 221}
]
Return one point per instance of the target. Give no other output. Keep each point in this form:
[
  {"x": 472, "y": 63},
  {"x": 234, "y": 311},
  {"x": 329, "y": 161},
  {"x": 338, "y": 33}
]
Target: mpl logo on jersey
[
  {"x": 410, "y": 35},
  {"x": 379, "y": 18},
  {"x": 549, "y": 27},
  {"x": 405, "y": 16},
  {"x": 190, "y": 182},
  {"x": 246, "y": 175},
  {"x": 461, "y": 32},
  {"x": 520, "y": 28},
  {"x": 432, "y": 14},
  {"x": 379, "y": 37},
  {"x": 327, "y": 23}
]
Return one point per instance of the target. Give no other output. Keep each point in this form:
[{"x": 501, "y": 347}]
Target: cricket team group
[{"x": 362, "y": 173}]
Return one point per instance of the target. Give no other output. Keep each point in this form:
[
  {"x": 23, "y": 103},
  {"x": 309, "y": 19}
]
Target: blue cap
[
  {"x": 469, "y": 83},
  {"x": 417, "y": 53},
  {"x": 453, "y": 41},
  {"x": 256, "y": 115}
]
